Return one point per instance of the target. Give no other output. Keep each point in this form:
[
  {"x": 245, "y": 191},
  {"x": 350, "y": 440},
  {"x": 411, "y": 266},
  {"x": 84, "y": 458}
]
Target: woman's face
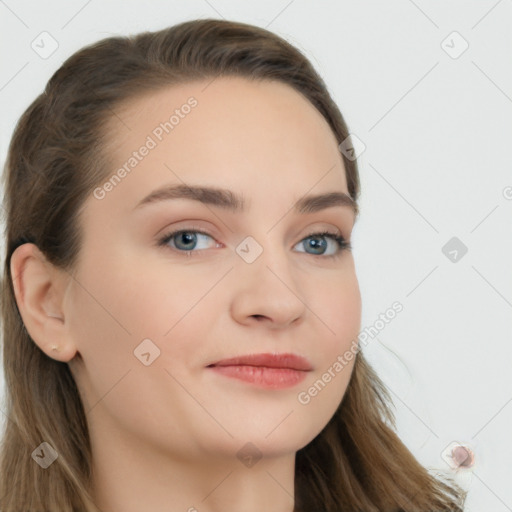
[{"x": 149, "y": 315}]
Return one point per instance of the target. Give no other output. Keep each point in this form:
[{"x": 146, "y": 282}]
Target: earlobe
[{"x": 39, "y": 289}]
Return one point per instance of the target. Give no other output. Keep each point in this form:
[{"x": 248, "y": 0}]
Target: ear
[{"x": 39, "y": 290}]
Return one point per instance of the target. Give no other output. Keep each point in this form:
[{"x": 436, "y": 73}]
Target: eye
[
  {"x": 317, "y": 242},
  {"x": 186, "y": 240}
]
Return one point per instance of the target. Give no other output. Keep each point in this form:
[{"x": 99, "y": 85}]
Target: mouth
[
  {"x": 272, "y": 371},
  {"x": 283, "y": 361}
]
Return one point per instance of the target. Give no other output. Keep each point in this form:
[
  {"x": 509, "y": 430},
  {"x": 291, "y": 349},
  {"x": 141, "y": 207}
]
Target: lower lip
[{"x": 272, "y": 378}]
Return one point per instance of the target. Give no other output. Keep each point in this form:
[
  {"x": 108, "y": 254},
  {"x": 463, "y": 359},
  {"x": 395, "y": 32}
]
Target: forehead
[{"x": 256, "y": 137}]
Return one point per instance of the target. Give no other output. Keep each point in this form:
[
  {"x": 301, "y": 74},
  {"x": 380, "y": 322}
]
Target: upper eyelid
[{"x": 336, "y": 229}]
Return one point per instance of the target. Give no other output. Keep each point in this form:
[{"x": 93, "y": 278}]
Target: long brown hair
[{"x": 57, "y": 156}]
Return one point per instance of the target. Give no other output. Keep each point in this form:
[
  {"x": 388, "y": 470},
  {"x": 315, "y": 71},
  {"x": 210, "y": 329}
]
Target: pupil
[
  {"x": 316, "y": 244},
  {"x": 187, "y": 237}
]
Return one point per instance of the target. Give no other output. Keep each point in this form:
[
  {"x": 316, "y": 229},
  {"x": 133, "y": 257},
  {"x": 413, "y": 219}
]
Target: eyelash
[{"x": 342, "y": 243}]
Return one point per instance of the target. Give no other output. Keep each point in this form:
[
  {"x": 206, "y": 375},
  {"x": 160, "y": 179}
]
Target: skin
[{"x": 165, "y": 437}]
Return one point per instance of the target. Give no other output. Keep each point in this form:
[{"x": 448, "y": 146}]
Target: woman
[{"x": 179, "y": 281}]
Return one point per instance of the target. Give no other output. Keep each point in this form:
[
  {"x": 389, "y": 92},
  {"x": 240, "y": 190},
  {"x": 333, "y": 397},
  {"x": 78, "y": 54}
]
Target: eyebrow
[{"x": 228, "y": 200}]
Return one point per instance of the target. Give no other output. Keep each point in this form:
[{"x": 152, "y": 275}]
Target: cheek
[
  {"x": 161, "y": 295},
  {"x": 121, "y": 302},
  {"x": 337, "y": 305},
  {"x": 138, "y": 298},
  {"x": 347, "y": 314}
]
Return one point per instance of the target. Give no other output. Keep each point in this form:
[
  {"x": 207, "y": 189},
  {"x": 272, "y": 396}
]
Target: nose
[{"x": 267, "y": 291}]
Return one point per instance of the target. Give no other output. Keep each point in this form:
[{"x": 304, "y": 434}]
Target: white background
[{"x": 437, "y": 131}]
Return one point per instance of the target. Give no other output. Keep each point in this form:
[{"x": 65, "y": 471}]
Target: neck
[{"x": 129, "y": 476}]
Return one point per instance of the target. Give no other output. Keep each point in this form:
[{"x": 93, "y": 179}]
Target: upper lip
[{"x": 291, "y": 361}]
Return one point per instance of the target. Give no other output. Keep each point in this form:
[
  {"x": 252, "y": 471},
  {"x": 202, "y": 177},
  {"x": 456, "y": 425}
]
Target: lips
[{"x": 284, "y": 361}]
